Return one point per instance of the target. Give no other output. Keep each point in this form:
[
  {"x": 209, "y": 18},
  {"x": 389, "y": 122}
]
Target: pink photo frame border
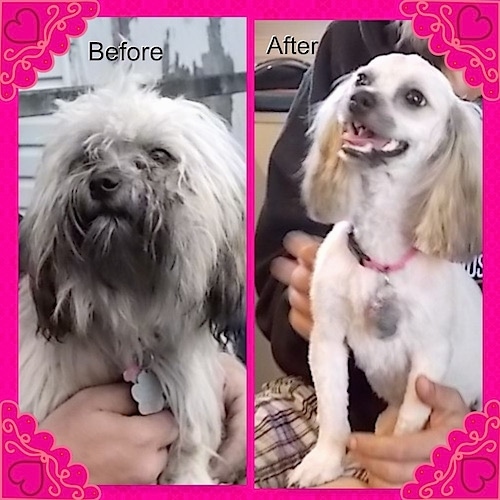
[{"x": 437, "y": 21}]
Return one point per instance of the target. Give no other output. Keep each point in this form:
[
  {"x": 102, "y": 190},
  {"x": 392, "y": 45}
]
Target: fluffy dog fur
[
  {"x": 134, "y": 245},
  {"x": 423, "y": 191}
]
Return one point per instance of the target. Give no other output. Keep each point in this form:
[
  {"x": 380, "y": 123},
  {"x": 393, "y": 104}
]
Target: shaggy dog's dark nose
[
  {"x": 104, "y": 185},
  {"x": 362, "y": 101}
]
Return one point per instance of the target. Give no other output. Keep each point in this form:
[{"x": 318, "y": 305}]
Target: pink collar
[
  {"x": 368, "y": 262},
  {"x": 389, "y": 268}
]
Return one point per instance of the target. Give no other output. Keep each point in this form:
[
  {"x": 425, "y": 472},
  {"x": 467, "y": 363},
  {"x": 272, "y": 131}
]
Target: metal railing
[{"x": 41, "y": 102}]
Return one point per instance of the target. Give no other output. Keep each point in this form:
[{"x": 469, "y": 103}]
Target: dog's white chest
[{"x": 385, "y": 362}]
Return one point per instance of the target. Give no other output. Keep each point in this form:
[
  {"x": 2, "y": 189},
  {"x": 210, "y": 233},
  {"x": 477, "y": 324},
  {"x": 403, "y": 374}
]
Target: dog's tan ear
[
  {"x": 326, "y": 184},
  {"x": 447, "y": 213}
]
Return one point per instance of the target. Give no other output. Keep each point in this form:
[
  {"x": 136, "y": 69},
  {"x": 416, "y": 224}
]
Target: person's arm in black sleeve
[{"x": 283, "y": 212}]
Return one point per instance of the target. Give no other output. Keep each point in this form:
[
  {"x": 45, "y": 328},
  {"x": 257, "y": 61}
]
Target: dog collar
[
  {"x": 370, "y": 263},
  {"x": 146, "y": 389}
]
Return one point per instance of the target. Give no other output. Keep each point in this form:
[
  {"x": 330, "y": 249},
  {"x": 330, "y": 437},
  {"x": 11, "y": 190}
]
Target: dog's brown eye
[
  {"x": 415, "y": 98},
  {"x": 161, "y": 155},
  {"x": 362, "y": 79}
]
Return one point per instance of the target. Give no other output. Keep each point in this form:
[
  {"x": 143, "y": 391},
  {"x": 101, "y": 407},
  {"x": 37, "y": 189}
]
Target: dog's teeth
[
  {"x": 390, "y": 146},
  {"x": 365, "y": 148}
]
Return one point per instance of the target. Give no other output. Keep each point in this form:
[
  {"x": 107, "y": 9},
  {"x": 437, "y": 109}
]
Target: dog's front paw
[
  {"x": 319, "y": 466},
  {"x": 410, "y": 421}
]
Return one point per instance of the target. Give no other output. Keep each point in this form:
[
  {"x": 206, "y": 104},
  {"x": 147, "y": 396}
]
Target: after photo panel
[
  {"x": 132, "y": 196},
  {"x": 368, "y": 253}
]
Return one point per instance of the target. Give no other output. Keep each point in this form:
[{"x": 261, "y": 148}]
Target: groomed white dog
[
  {"x": 396, "y": 164},
  {"x": 134, "y": 246}
]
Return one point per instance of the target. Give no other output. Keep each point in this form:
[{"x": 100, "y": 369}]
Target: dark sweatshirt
[{"x": 346, "y": 46}]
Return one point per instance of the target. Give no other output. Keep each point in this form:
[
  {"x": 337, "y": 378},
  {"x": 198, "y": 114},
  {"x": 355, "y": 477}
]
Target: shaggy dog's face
[
  {"x": 137, "y": 195},
  {"x": 122, "y": 202},
  {"x": 397, "y": 105}
]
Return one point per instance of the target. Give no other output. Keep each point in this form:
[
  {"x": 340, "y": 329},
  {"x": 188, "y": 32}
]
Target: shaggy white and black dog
[
  {"x": 134, "y": 252},
  {"x": 396, "y": 164}
]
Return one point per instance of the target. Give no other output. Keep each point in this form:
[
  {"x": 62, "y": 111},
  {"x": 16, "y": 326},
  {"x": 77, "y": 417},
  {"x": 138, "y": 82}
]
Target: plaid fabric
[{"x": 285, "y": 431}]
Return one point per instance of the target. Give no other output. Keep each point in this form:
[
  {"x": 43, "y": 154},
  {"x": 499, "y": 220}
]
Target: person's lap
[{"x": 285, "y": 430}]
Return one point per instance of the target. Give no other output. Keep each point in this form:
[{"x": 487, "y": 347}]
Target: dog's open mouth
[{"x": 359, "y": 140}]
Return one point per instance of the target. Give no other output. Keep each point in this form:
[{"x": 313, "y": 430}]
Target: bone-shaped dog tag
[{"x": 148, "y": 394}]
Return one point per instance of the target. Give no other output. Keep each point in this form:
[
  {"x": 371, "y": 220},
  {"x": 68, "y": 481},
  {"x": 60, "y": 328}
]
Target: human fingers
[
  {"x": 300, "y": 279},
  {"x": 282, "y": 269},
  {"x": 439, "y": 397},
  {"x": 302, "y": 246},
  {"x": 299, "y": 301},
  {"x": 232, "y": 453},
  {"x": 386, "y": 471},
  {"x": 406, "y": 448},
  {"x": 376, "y": 482},
  {"x": 149, "y": 468},
  {"x": 159, "y": 429},
  {"x": 115, "y": 398},
  {"x": 303, "y": 325}
]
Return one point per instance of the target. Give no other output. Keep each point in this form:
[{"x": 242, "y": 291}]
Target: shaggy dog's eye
[
  {"x": 161, "y": 155},
  {"x": 81, "y": 161},
  {"x": 415, "y": 98},
  {"x": 361, "y": 80}
]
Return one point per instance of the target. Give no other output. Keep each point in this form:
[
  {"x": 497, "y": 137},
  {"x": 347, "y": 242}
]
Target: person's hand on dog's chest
[
  {"x": 101, "y": 427},
  {"x": 391, "y": 461},
  {"x": 296, "y": 272}
]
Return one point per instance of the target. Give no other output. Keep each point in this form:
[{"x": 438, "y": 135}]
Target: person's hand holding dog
[
  {"x": 101, "y": 428},
  {"x": 391, "y": 460},
  {"x": 296, "y": 272},
  {"x": 230, "y": 464}
]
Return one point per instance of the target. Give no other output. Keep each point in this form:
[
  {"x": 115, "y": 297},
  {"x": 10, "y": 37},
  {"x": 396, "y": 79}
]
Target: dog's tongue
[{"x": 362, "y": 137}]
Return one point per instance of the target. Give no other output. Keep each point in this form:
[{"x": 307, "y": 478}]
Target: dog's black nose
[
  {"x": 104, "y": 185},
  {"x": 362, "y": 101}
]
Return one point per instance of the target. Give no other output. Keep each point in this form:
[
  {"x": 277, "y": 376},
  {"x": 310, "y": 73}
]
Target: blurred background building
[{"x": 204, "y": 59}]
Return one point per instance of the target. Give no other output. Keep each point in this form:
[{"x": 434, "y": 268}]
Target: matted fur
[
  {"x": 428, "y": 197},
  {"x": 156, "y": 269}
]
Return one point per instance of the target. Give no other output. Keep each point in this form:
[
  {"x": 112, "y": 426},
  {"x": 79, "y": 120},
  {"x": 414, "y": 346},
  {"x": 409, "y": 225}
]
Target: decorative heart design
[
  {"x": 476, "y": 472},
  {"x": 25, "y": 28},
  {"x": 28, "y": 474},
  {"x": 472, "y": 25}
]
